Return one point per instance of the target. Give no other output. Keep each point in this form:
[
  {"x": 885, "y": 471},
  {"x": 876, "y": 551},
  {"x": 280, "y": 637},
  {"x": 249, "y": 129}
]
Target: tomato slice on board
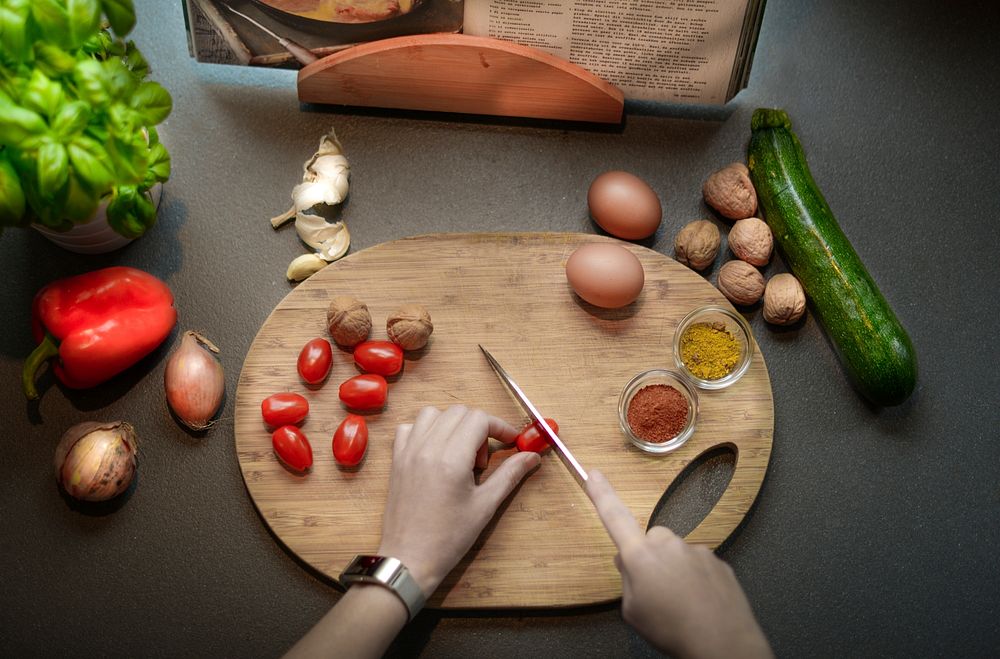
[{"x": 531, "y": 437}]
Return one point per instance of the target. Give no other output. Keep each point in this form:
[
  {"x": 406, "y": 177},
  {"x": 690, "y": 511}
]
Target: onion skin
[
  {"x": 96, "y": 461},
  {"x": 194, "y": 381}
]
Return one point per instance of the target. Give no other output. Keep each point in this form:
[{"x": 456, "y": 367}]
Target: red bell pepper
[{"x": 97, "y": 324}]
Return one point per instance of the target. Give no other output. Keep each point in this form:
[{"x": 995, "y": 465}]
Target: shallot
[
  {"x": 194, "y": 381},
  {"x": 96, "y": 461}
]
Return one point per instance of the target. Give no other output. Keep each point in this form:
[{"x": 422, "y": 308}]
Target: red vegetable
[
  {"x": 351, "y": 440},
  {"x": 364, "y": 392},
  {"x": 532, "y": 438},
  {"x": 315, "y": 360},
  {"x": 284, "y": 409},
  {"x": 381, "y": 357},
  {"x": 292, "y": 447},
  {"x": 98, "y": 324}
]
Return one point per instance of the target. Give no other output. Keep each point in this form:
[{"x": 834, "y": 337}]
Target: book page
[{"x": 680, "y": 51}]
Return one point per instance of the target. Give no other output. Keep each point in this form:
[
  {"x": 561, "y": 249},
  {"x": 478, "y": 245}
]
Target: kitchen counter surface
[{"x": 875, "y": 532}]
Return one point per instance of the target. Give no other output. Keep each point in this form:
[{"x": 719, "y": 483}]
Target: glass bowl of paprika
[
  {"x": 657, "y": 410},
  {"x": 713, "y": 347}
]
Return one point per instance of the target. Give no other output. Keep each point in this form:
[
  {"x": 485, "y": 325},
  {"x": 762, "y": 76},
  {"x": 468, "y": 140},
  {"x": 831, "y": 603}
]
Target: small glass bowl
[
  {"x": 658, "y": 376},
  {"x": 736, "y": 326}
]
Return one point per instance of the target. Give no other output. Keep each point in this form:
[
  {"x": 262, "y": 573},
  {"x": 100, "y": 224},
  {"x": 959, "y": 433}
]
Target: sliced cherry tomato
[
  {"x": 533, "y": 439},
  {"x": 284, "y": 409},
  {"x": 351, "y": 440},
  {"x": 292, "y": 447},
  {"x": 381, "y": 357},
  {"x": 364, "y": 392},
  {"x": 315, "y": 359}
]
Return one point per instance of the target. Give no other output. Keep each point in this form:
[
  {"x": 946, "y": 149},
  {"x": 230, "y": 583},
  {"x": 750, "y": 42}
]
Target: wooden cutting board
[{"x": 508, "y": 292}]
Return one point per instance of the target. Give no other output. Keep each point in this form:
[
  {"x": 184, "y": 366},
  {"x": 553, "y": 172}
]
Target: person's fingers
[
  {"x": 473, "y": 429},
  {"x": 614, "y": 514},
  {"x": 661, "y": 534},
  {"x": 425, "y": 418},
  {"x": 441, "y": 431},
  {"x": 403, "y": 431},
  {"x": 483, "y": 455},
  {"x": 503, "y": 432},
  {"x": 507, "y": 476}
]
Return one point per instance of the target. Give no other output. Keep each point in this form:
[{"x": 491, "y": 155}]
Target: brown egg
[
  {"x": 605, "y": 274},
  {"x": 624, "y": 205}
]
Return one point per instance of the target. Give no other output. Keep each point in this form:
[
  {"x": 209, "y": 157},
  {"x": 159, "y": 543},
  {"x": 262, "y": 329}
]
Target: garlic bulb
[{"x": 325, "y": 182}]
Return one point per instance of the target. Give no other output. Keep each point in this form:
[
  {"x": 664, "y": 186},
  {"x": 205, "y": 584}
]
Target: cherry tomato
[
  {"x": 381, "y": 357},
  {"x": 351, "y": 440},
  {"x": 292, "y": 447},
  {"x": 364, "y": 392},
  {"x": 315, "y": 360},
  {"x": 284, "y": 409},
  {"x": 533, "y": 439}
]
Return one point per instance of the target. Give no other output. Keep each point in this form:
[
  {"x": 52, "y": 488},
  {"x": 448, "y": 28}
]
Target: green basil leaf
[
  {"x": 152, "y": 102},
  {"x": 14, "y": 30},
  {"x": 52, "y": 18},
  {"x": 118, "y": 80},
  {"x": 159, "y": 166},
  {"x": 71, "y": 120},
  {"x": 21, "y": 128},
  {"x": 91, "y": 164},
  {"x": 89, "y": 77},
  {"x": 121, "y": 15},
  {"x": 84, "y": 20},
  {"x": 53, "y": 168},
  {"x": 130, "y": 212},
  {"x": 135, "y": 61},
  {"x": 152, "y": 135},
  {"x": 42, "y": 95},
  {"x": 129, "y": 153},
  {"x": 80, "y": 201},
  {"x": 11, "y": 195},
  {"x": 53, "y": 61}
]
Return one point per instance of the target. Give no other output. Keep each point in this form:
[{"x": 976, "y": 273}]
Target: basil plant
[{"x": 77, "y": 116}]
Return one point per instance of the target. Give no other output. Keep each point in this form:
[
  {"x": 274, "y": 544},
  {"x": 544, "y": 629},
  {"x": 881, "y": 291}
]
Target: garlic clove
[
  {"x": 305, "y": 266},
  {"x": 330, "y": 239}
]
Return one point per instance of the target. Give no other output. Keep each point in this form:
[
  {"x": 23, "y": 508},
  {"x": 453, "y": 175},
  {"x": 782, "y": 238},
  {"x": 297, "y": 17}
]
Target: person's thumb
[{"x": 507, "y": 477}]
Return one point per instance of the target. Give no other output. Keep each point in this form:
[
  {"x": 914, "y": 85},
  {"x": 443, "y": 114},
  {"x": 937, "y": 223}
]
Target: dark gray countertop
[{"x": 875, "y": 530}]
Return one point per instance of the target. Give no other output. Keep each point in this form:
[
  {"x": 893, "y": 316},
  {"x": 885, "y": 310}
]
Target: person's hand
[
  {"x": 681, "y": 598},
  {"x": 435, "y": 510}
]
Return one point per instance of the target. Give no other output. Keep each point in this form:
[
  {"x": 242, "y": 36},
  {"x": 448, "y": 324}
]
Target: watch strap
[{"x": 388, "y": 572}]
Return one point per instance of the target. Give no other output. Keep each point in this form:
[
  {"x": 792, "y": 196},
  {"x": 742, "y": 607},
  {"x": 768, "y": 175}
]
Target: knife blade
[{"x": 515, "y": 391}]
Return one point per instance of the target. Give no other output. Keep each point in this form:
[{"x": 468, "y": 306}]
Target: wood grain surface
[
  {"x": 461, "y": 73},
  {"x": 508, "y": 292}
]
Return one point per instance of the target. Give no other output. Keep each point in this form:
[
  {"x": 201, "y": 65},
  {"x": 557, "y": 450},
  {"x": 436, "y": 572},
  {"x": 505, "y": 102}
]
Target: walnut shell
[
  {"x": 740, "y": 282},
  {"x": 349, "y": 321},
  {"x": 730, "y": 192},
  {"x": 697, "y": 244},
  {"x": 751, "y": 241},
  {"x": 409, "y": 327},
  {"x": 784, "y": 300}
]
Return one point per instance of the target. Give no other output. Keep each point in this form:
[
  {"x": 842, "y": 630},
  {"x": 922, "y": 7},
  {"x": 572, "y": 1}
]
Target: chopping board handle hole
[{"x": 693, "y": 494}]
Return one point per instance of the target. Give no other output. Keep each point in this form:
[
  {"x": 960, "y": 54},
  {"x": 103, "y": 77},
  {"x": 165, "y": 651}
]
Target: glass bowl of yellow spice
[{"x": 713, "y": 347}]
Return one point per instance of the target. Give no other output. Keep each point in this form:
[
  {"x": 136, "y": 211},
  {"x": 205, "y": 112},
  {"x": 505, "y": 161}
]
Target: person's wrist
[{"x": 422, "y": 572}]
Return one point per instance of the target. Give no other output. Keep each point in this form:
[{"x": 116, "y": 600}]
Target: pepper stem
[{"x": 45, "y": 351}]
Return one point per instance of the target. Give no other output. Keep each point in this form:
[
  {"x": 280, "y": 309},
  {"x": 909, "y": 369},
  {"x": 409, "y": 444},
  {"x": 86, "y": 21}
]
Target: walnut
[
  {"x": 784, "y": 300},
  {"x": 751, "y": 241},
  {"x": 730, "y": 192},
  {"x": 349, "y": 320},
  {"x": 410, "y": 327},
  {"x": 741, "y": 282},
  {"x": 697, "y": 244}
]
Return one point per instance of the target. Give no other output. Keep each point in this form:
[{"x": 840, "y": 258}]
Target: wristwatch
[{"x": 388, "y": 572}]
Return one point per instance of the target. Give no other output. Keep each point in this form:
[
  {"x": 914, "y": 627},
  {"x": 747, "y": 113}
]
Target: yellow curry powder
[{"x": 709, "y": 350}]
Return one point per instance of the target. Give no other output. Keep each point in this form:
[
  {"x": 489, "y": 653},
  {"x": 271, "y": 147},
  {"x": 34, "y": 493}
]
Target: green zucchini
[{"x": 870, "y": 341}]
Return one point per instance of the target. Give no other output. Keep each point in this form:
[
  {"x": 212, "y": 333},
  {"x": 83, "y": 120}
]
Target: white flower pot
[{"x": 95, "y": 236}]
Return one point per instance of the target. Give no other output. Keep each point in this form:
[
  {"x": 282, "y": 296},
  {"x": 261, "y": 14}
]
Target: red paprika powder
[{"x": 657, "y": 413}]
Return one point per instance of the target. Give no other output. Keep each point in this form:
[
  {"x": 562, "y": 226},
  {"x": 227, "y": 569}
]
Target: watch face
[{"x": 368, "y": 562}]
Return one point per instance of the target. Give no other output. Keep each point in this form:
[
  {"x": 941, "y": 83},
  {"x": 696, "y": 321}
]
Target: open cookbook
[{"x": 676, "y": 51}]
